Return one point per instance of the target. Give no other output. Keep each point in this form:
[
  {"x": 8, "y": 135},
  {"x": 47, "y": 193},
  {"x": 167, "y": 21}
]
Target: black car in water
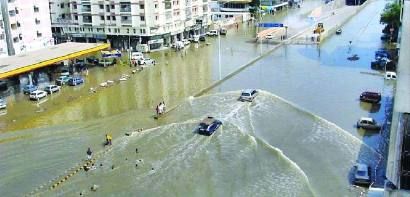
[
  {"x": 370, "y": 97},
  {"x": 208, "y": 126}
]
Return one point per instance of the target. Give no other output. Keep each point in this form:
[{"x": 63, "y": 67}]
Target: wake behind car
[
  {"x": 52, "y": 88},
  {"x": 368, "y": 124},
  {"x": 248, "y": 95},
  {"x": 208, "y": 126},
  {"x": 37, "y": 95},
  {"x": 370, "y": 97},
  {"x": 361, "y": 174},
  {"x": 75, "y": 81}
]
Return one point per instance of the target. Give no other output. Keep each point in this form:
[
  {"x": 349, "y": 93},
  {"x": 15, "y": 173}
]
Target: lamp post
[{"x": 219, "y": 52}]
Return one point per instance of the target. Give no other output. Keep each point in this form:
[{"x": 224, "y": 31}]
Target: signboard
[
  {"x": 270, "y": 24},
  {"x": 111, "y": 54}
]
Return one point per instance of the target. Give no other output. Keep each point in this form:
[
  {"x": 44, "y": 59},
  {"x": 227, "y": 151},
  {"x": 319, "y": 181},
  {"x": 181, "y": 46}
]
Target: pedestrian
[
  {"x": 89, "y": 153},
  {"x": 108, "y": 140},
  {"x": 136, "y": 150}
]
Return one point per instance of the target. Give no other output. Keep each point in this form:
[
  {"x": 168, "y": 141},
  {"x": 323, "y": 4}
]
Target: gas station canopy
[{"x": 25, "y": 62}]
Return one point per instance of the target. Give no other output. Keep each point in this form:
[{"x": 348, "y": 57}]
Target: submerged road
[{"x": 318, "y": 79}]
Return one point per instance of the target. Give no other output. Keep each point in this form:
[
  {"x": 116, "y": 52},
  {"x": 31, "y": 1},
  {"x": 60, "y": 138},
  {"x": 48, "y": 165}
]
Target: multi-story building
[
  {"x": 3, "y": 43},
  {"x": 128, "y": 23},
  {"x": 26, "y": 25}
]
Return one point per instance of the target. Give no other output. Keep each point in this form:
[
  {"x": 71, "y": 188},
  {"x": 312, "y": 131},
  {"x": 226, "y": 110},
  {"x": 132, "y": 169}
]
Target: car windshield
[
  {"x": 361, "y": 173},
  {"x": 245, "y": 94}
]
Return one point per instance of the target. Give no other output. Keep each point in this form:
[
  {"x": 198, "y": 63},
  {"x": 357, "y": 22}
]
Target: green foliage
[
  {"x": 391, "y": 15},
  {"x": 255, "y": 3}
]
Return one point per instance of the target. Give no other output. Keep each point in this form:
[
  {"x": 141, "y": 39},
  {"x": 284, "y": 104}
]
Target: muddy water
[{"x": 256, "y": 152}]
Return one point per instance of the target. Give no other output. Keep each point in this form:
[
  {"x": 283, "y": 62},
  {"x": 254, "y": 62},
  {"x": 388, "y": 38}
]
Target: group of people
[{"x": 160, "y": 109}]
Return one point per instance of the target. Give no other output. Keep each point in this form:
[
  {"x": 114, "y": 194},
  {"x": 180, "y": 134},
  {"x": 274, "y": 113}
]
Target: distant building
[
  {"x": 227, "y": 9},
  {"x": 148, "y": 24},
  {"x": 24, "y": 26}
]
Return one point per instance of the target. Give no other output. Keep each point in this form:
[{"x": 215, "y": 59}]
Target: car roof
[
  {"x": 366, "y": 118},
  {"x": 248, "y": 91},
  {"x": 209, "y": 120},
  {"x": 389, "y": 72},
  {"x": 361, "y": 167},
  {"x": 36, "y": 91}
]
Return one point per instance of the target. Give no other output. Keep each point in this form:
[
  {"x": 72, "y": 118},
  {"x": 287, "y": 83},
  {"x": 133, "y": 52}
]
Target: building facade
[
  {"x": 3, "y": 43},
  {"x": 26, "y": 25},
  {"x": 149, "y": 24}
]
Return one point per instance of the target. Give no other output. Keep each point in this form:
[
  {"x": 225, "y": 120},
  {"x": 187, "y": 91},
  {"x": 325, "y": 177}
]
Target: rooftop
[{"x": 25, "y": 62}]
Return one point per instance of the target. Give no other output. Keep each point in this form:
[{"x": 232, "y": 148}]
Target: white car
[
  {"x": 136, "y": 55},
  {"x": 248, "y": 95},
  {"x": 52, "y": 88},
  {"x": 269, "y": 37},
  {"x": 195, "y": 38},
  {"x": 3, "y": 104},
  {"x": 390, "y": 76},
  {"x": 212, "y": 33},
  {"x": 145, "y": 61},
  {"x": 186, "y": 42},
  {"x": 37, "y": 95},
  {"x": 361, "y": 174}
]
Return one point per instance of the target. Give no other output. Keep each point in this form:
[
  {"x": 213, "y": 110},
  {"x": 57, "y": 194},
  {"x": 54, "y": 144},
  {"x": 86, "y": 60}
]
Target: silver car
[
  {"x": 361, "y": 174},
  {"x": 248, "y": 95}
]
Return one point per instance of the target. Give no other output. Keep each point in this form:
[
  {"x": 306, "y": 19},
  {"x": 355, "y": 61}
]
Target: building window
[
  {"x": 113, "y": 18},
  {"x": 156, "y": 17},
  {"x": 112, "y": 6},
  {"x": 74, "y": 5},
  {"x": 76, "y": 17},
  {"x": 142, "y": 18},
  {"x": 62, "y": 5},
  {"x": 156, "y": 5},
  {"x": 16, "y": 39},
  {"x": 125, "y": 7},
  {"x": 141, "y": 6},
  {"x": 101, "y": 6},
  {"x": 36, "y": 9},
  {"x": 142, "y": 31},
  {"x": 39, "y": 34},
  {"x": 63, "y": 16},
  {"x": 109, "y": 30},
  {"x": 37, "y": 21},
  {"x": 135, "y": 31},
  {"x": 102, "y": 18},
  {"x": 108, "y": 18}
]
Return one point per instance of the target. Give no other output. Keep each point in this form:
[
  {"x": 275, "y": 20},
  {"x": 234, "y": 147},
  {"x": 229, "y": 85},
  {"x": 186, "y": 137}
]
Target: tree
[
  {"x": 391, "y": 15},
  {"x": 254, "y": 3}
]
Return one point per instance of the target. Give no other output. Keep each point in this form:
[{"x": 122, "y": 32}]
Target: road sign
[{"x": 270, "y": 24}]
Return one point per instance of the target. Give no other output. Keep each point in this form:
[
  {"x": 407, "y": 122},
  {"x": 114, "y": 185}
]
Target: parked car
[
  {"x": 195, "y": 38},
  {"x": 382, "y": 53},
  {"x": 186, "y": 42},
  {"x": 92, "y": 60},
  {"x": 248, "y": 95},
  {"x": 338, "y": 31},
  {"x": 62, "y": 80},
  {"x": 65, "y": 72},
  {"x": 370, "y": 97},
  {"x": 27, "y": 89},
  {"x": 136, "y": 55},
  {"x": 208, "y": 126},
  {"x": 368, "y": 124},
  {"x": 107, "y": 62},
  {"x": 361, "y": 174},
  {"x": 269, "y": 37},
  {"x": 390, "y": 76},
  {"x": 212, "y": 33},
  {"x": 75, "y": 81},
  {"x": 52, "y": 88},
  {"x": 223, "y": 31},
  {"x": 383, "y": 64},
  {"x": 3, "y": 104},
  {"x": 37, "y": 95},
  {"x": 202, "y": 38},
  {"x": 145, "y": 61}
]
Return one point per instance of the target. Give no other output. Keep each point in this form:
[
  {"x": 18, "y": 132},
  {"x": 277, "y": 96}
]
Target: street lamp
[{"x": 219, "y": 52}]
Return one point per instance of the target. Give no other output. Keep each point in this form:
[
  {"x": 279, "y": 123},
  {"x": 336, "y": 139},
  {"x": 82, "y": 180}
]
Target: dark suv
[{"x": 370, "y": 97}]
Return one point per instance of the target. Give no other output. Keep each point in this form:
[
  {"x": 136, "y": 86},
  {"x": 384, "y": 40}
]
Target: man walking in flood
[{"x": 89, "y": 153}]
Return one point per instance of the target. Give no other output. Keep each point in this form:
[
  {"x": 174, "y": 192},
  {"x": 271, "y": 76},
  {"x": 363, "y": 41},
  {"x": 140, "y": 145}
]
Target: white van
[
  {"x": 136, "y": 56},
  {"x": 390, "y": 76}
]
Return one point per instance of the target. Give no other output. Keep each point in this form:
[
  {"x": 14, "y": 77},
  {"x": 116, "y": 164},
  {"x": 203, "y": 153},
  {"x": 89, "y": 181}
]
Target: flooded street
[{"x": 296, "y": 136}]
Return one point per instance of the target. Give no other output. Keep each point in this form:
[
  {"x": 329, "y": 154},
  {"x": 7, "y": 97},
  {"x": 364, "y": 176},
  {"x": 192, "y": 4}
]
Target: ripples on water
[{"x": 266, "y": 148}]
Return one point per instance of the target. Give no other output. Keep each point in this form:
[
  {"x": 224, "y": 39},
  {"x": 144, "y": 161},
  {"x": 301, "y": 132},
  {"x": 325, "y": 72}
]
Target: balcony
[
  {"x": 86, "y": 8},
  {"x": 125, "y": 7}
]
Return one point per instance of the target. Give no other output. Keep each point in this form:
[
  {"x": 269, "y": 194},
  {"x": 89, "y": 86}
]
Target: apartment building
[
  {"x": 149, "y": 24},
  {"x": 26, "y": 25},
  {"x": 3, "y": 43}
]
